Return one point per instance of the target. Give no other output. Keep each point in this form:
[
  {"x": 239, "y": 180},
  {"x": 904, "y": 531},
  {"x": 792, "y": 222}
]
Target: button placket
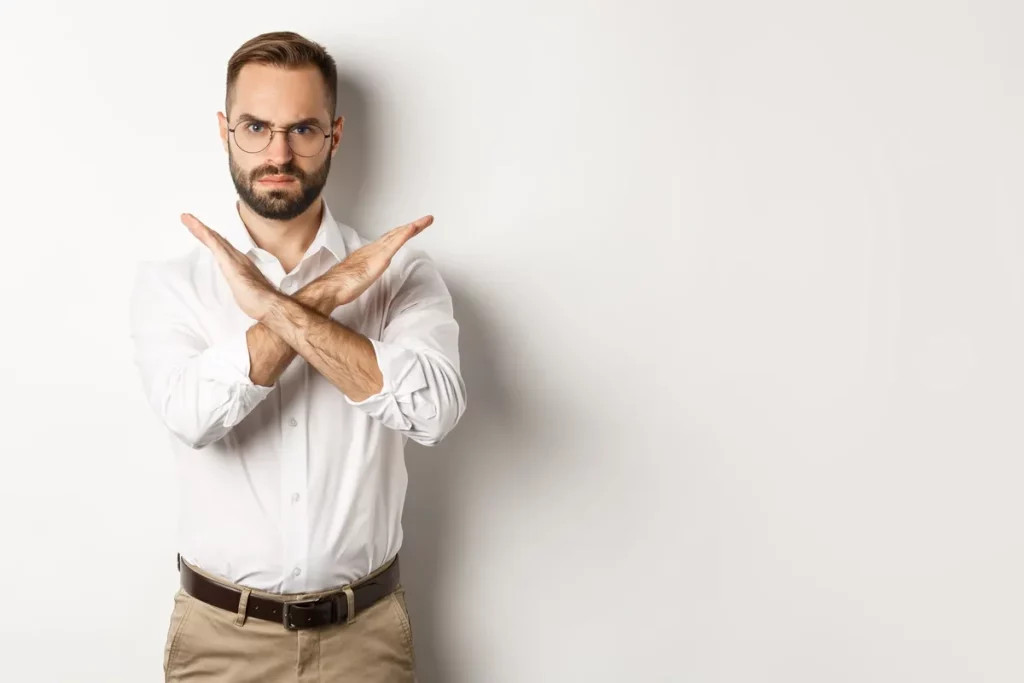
[
  {"x": 294, "y": 445},
  {"x": 294, "y": 450}
]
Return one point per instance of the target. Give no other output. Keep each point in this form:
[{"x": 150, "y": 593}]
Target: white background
[{"x": 740, "y": 290}]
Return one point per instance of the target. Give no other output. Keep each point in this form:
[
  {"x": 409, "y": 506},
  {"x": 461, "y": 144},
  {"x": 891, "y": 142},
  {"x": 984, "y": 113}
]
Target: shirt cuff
[
  {"x": 228, "y": 362},
  {"x": 403, "y": 378}
]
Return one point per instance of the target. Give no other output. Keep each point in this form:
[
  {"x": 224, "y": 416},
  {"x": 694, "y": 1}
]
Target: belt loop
[
  {"x": 242, "y": 602},
  {"x": 350, "y": 613}
]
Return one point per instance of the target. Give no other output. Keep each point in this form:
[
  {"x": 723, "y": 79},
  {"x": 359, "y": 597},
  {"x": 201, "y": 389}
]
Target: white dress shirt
[{"x": 295, "y": 487}]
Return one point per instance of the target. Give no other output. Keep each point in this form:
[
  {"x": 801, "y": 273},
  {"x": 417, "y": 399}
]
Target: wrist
[
  {"x": 318, "y": 295},
  {"x": 272, "y": 299}
]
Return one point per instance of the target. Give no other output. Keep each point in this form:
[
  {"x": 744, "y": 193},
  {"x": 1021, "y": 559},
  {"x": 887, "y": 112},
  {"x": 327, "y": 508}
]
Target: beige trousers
[{"x": 207, "y": 644}]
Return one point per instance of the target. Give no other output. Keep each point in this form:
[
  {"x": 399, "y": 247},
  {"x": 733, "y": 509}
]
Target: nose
[{"x": 278, "y": 151}]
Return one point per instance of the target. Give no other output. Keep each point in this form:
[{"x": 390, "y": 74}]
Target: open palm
[
  {"x": 363, "y": 266},
  {"x": 252, "y": 291}
]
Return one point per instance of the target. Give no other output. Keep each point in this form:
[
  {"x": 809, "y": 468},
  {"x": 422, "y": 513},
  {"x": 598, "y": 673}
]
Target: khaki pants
[{"x": 207, "y": 644}]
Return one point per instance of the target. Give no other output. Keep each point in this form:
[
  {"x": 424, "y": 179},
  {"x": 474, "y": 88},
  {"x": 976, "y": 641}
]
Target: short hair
[{"x": 285, "y": 49}]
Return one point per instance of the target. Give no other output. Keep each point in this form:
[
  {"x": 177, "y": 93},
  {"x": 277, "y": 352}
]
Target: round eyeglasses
[{"x": 305, "y": 139}]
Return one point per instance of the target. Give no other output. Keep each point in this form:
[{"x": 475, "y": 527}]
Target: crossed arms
[{"x": 409, "y": 380}]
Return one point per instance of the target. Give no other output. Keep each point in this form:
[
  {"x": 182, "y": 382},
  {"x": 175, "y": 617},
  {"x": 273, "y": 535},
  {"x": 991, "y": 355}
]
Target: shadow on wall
[
  {"x": 437, "y": 475},
  {"x": 352, "y": 168},
  {"x": 442, "y": 477}
]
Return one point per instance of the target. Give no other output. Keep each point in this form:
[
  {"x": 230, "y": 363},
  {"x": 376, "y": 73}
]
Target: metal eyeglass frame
[{"x": 287, "y": 141}]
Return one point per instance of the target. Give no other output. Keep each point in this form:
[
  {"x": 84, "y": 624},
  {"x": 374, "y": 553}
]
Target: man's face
[{"x": 276, "y": 183}]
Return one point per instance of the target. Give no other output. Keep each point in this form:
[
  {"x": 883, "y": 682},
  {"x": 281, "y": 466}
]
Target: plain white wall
[{"x": 740, "y": 292}]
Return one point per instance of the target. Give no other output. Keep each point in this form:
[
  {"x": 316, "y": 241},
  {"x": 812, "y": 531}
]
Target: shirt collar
[{"x": 328, "y": 236}]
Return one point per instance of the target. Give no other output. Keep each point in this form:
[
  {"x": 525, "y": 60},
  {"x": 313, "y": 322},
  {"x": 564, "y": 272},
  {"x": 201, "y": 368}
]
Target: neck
[{"x": 286, "y": 240}]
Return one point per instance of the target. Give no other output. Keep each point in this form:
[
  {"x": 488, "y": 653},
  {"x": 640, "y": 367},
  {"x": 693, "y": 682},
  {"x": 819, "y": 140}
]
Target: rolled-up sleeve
[
  {"x": 423, "y": 394},
  {"x": 198, "y": 391}
]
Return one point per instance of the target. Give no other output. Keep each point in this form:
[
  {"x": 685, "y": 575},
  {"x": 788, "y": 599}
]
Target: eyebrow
[{"x": 301, "y": 122}]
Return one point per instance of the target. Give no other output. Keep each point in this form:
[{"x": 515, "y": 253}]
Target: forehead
[{"x": 280, "y": 95}]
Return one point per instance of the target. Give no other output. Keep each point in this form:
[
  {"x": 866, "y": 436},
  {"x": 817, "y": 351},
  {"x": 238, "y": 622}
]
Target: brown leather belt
[{"x": 328, "y": 610}]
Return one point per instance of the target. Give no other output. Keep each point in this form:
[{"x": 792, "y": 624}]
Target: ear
[
  {"x": 222, "y": 123},
  {"x": 336, "y": 131}
]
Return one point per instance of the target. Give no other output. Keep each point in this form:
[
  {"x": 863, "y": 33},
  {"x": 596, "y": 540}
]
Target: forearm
[
  {"x": 269, "y": 354},
  {"x": 343, "y": 356}
]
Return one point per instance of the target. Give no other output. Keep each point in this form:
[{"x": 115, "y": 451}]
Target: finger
[
  {"x": 225, "y": 243},
  {"x": 207, "y": 235},
  {"x": 223, "y": 252},
  {"x": 420, "y": 224},
  {"x": 198, "y": 228},
  {"x": 404, "y": 233}
]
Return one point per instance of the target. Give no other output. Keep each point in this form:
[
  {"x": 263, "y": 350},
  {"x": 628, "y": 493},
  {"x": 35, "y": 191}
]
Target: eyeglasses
[{"x": 305, "y": 140}]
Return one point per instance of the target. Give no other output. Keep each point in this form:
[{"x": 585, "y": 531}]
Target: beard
[{"x": 279, "y": 204}]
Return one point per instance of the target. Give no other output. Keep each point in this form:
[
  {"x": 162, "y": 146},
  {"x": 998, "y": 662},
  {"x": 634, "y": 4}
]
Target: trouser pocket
[
  {"x": 179, "y": 615},
  {"x": 401, "y": 610}
]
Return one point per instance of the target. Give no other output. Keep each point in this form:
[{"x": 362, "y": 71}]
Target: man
[{"x": 291, "y": 470}]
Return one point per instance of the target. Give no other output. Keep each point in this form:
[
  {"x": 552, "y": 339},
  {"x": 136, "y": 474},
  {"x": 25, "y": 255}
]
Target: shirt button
[
  {"x": 295, "y": 497},
  {"x": 293, "y": 422},
  {"x": 296, "y": 571}
]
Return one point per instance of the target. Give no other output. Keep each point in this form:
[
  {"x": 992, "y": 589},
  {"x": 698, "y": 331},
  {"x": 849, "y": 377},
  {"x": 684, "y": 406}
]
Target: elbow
[
  {"x": 433, "y": 431},
  {"x": 193, "y": 428},
  {"x": 200, "y": 444},
  {"x": 190, "y": 419},
  {"x": 196, "y": 409},
  {"x": 427, "y": 438},
  {"x": 195, "y": 438}
]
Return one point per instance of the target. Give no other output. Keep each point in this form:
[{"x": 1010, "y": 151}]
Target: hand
[
  {"x": 253, "y": 293},
  {"x": 355, "y": 274}
]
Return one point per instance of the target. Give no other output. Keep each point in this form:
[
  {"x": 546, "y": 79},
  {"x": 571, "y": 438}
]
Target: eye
[
  {"x": 254, "y": 127},
  {"x": 302, "y": 130}
]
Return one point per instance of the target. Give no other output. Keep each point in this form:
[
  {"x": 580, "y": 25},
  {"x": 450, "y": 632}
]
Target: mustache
[{"x": 287, "y": 169}]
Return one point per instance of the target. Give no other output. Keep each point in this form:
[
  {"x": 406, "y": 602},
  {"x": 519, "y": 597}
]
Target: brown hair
[{"x": 288, "y": 50}]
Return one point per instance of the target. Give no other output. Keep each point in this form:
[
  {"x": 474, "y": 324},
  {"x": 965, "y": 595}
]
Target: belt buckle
[{"x": 311, "y": 608}]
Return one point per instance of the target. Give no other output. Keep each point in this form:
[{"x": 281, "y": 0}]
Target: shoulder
[
  {"x": 172, "y": 286},
  {"x": 168, "y": 273},
  {"x": 188, "y": 263}
]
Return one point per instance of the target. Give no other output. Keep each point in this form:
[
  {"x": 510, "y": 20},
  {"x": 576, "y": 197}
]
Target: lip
[{"x": 277, "y": 180}]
